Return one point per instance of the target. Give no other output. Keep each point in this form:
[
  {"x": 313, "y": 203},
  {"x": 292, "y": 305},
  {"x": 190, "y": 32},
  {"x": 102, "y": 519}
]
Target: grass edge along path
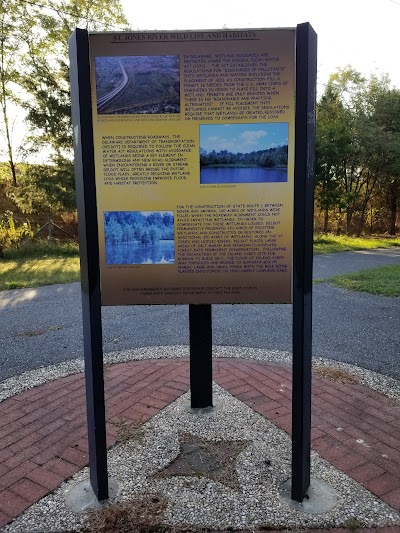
[
  {"x": 36, "y": 272},
  {"x": 382, "y": 281},
  {"x": 329, "y": 243}
]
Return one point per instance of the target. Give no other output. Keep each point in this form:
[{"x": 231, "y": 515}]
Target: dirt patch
[
  {"x": 127, "y": 430},
  {"x": 336, "y": 374},
  {"x": 141, "y": 515}
]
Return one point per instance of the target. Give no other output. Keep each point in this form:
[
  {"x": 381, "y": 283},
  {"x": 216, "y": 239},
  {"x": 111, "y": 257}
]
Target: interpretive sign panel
[{"x": 194, "y": 158}]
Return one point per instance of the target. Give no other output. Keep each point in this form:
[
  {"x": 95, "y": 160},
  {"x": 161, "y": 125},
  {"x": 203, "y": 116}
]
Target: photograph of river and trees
[
  {"x": 129, "y": 85},
  {"x": 243, "y": 153},
  {"x": 139, "y": 237}
]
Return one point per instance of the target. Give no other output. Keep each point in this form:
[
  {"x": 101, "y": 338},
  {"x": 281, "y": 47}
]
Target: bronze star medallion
[{"x": 202, "y": 458}]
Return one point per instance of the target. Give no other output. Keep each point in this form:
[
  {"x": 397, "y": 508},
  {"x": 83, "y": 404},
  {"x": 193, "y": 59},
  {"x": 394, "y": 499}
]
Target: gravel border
[
  {"x": 258, "y": 503},
  {"x": 261, "y": 467},
  {"x": 386, "y": 385}
]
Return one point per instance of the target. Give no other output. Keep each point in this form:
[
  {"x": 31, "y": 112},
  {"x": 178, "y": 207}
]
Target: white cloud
[
  {"x": 218, "y": 143},
  {"x": 252, "y": 137}
]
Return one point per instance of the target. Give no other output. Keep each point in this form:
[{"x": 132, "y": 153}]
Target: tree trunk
[
  {"x": 361, "y": 224},
  {"x": 362, "y": 220},
  {"x": 393, "y": 217},
  {"x": 392, "y": 201},
  {"x": 326, "y": 220},
  {"x": 5, "y": 115},
  {"x": 13, "y": 170},
  {"x": 339, "y": 221},
  {"x": 11, "y": 162},
  {"x": 371, "y": 221},
  {"x": 349, "y": 216}
]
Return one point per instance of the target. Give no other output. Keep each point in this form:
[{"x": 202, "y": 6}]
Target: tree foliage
[
  {"x": 387, "y": 120},
  {"x": 268, "y": 158},
  {"x": 358, "y": 126},
  {"x": 9, "y": 76},
  {"x": 145, "y": 228},
  {"x": 45, "y": 73},
  {"x": 12, "y": 233},
  {"x": 357, "y": 148},
  {"x": 34, "y": 64},
  {"x": 44, "y": 188}
]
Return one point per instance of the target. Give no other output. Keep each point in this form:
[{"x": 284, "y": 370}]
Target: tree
[
  {"x": 9, "y": 46},
  {"x": 44, "y": 188},
  {"x": 154, "y": 234},
  {"x": 145, "y": 237},
  {"x": 351, "y": 150},
  {"x": 373, "y": 142},
  {"x": 333, "y": 148},
  {"x": 40, "y": 49},
  {"x": 113, "y": 231},
  {"x": 138, "y": 232},
  {"x": 45, "y": 61},
  {"x": 387, "y": 120}
]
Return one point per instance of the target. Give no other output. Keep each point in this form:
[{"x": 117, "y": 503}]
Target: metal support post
[
  {"x": 89, "y": 254},
  {"x": 200, "y": 329},
  {"x": 306, "y": 70}
]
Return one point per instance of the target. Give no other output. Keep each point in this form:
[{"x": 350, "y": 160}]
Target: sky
[
  {"x": 360, "y": 33},
  {"x": 243, "y": 138}
]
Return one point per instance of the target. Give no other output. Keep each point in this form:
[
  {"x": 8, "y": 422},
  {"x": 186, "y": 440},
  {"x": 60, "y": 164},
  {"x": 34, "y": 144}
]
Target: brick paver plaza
[{"x": 43, "y": 430}]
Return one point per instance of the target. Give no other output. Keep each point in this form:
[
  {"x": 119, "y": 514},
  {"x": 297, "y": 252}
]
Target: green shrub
[
  {"x": 11, "y": 234},
  {"x": 44, "y": 249}
]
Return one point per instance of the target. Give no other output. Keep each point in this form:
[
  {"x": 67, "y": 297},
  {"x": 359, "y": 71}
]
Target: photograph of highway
[{"x": 129, "y": 85}]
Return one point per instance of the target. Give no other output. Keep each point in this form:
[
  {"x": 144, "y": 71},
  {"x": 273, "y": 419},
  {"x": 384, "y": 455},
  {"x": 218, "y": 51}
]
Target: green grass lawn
[
  {"x": 23, "y": 273},
  {"x": 383, "y": 281},
  {"x": 329, "y": 243},
  {"x": 42, "y": 263},
  {"x": 39, "y": 263}
]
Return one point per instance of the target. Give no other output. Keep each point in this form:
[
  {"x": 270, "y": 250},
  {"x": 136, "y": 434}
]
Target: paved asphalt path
[{"x": 43, "y": 326}]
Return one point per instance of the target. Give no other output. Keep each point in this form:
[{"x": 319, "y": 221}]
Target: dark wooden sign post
[{"x": 200, "y": 323}]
